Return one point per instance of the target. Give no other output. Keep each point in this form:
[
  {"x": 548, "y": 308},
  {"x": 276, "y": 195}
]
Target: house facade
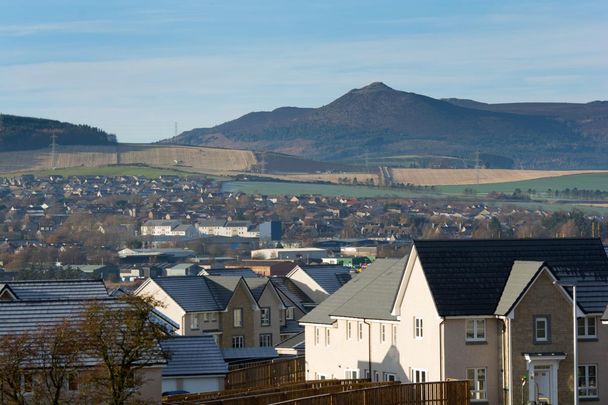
[
  {"x": 497, "y": 313},
  {"x": 239, "y": 312}
]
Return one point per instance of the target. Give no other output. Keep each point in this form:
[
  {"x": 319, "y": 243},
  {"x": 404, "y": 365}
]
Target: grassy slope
[{"x": 118, "y": 170}]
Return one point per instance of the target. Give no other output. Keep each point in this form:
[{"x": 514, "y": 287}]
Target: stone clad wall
[{"x": 543, "y": 298}]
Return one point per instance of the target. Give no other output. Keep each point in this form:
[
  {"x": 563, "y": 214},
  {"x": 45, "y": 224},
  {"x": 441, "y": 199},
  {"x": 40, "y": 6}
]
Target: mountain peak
[{"x": 373, "y": 87}]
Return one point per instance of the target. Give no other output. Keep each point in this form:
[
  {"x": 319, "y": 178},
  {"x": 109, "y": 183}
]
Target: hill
[
  {"x": 25, "y": 133},
  {"x": 377, "y": 120}
]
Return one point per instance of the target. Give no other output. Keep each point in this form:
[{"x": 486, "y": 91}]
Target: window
[
  {"x": 349, "y": 330},
  {"x": 72, "y": 383},
  {"x": 394, "y": 334},
  {"x": 376, "y": 376},
  {"x": 418, "y": 375},
  {"x": 383, "y": 333},
  {"x": 237, "y": 314},
  {"x": 542, "y": 329},
  {"x": 321, "y": 377},
  {"x": 238, "y": 341},
  {"x": 360, "y": 327},
  {"x": 418, "y": 332},
  {"x": 351, "y": 373},
  {"x": 586, "y": 327},
  {"x": 28, "y": 382},
  {"x": 193, "y": 321},
  {"x": 289, "y": 313},
  {"x": 266, "y": 340},
  {"x": 265, "y": 315},
  {"x": 327, "y": 336},
  {"x": 205, "y": 317},
  {"x": 476, "y": 330},
  {"x": 477, "y": 383},
  {"x": 390, "y": 377},
  {"x": 213, "y": 317},
  {"x": 316, "y": 335},
  {"x": 587, "y": 381}
]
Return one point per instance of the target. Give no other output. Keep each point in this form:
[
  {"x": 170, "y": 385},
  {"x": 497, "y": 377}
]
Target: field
[
  {"x": 116, "y": 170},
  {"x": 286, "y": 188},
  {"x": 192, "y": 159},
  {"x": 330, "y": 177},
  {"x": 435, "y": 177},
  {"x": 586, "y": 181}
]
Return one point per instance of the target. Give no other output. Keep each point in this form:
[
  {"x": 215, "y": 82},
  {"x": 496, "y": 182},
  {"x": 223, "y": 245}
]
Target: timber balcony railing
[{"x": 336, "y": 392}]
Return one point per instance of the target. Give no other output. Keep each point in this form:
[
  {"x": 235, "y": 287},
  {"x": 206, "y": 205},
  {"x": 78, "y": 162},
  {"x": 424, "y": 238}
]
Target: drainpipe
[
  {"x": 441, "y": 371},
  {"x": 369, "y": 348},
  {"x": 510, "y": 359}
]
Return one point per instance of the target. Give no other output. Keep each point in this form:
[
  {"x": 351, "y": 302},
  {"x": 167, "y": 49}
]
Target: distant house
[
  {"x": 319, "y": 281},
  {"x": 168, "y": 230},
  {"x": 219, "y": 227},
  {"x": 195, "y": 364},
  {"x": 493, "y": 312},
  {"x": 288, "y": 254}
]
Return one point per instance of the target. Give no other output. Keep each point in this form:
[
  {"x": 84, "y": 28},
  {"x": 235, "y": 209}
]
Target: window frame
[
  {"x": 349, "y": 330},
  {"x": 317, "y": 336},
  {"x": 238, "y": 338},
  {"x": 266, "y": 338},
  {"x": 238, "y": 311},
  {"x": 360, "y": 330},
  {"x": 327, "y": 336},
  {"x": 289, "y": 313},
  {"x": 476, "y": 338},
  {"x": 586, "y": 387},
  {"x": 586, "y": 324},
  {"x": 265, "y": 320},
  {"x": 194, "y": 322},
  {"x": 354, "y": 374},
  {"x": 547, "y": 321},
  {"x": 473, "y": 384},
  {"x": 418, "y": 328},
  {"x": 389, "y": 377},
  {"x": 382, "y": 333},
  {"x": 417, "y": 373}
]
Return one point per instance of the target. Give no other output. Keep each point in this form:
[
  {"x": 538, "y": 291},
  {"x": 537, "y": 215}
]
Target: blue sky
[{"x": 134, "y": 68}]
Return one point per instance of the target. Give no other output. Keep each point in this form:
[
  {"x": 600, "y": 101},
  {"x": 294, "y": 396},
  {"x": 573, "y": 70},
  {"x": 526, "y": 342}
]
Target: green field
[
  {"x": 329, "y": 190},
  {"x": 590, "y": 181},
  {"x": 118, "y": 170}
]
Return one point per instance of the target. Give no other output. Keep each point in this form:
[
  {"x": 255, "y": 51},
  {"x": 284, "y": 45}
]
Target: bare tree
[
  {"x": 15, "y": 358},
  {"x": 57, "y": 355},
  {"x": 124, "y": 337}
]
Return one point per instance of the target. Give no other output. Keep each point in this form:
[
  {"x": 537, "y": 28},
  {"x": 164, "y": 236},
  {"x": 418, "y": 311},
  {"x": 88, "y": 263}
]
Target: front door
[{"x": 542, "y": 380}]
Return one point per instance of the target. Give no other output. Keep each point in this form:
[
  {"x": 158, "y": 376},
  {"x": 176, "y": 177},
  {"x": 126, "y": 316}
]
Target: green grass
[
  {"x": 115, "y": 170},
  {"x": 587, "y": 181},
  {"x": 328, "y": 190}
]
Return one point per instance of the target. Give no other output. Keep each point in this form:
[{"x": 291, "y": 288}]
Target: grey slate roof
[
  {"x": 467, "y": 277},
  {"x": 290, "y": 293},
  {"x": 521, "y": 275},
  {"x": 192, "y": 293},
  {"x": 193, "y": 356},
  {"x": 58, "y": 289},
  {"x": 294, "y": 342},
  {"x": 231, "y": 353},
  {"x": 369, "y": 294},
  {"x": 230, "y": 272},
  {"x": 330, "y": 278}
]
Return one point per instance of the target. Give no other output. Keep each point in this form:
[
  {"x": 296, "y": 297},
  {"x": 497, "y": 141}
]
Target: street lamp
[{"x": 574, "y": 337}]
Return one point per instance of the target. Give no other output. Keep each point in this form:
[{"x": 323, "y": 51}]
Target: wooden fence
[
  {"x": 433, "y": 393},
  {"x": 205, "y": 397},
  {"x": 268, "y": 374}
]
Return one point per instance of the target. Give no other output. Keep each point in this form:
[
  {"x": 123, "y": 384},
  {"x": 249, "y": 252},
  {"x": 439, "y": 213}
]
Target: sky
[{"x": 136, "y": 67}]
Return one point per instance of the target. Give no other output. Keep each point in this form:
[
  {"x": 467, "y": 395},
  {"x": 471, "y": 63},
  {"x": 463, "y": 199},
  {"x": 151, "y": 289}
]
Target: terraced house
[
  {"x": 239, "y": 312},
  {"x": 498, "y": 313}
]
